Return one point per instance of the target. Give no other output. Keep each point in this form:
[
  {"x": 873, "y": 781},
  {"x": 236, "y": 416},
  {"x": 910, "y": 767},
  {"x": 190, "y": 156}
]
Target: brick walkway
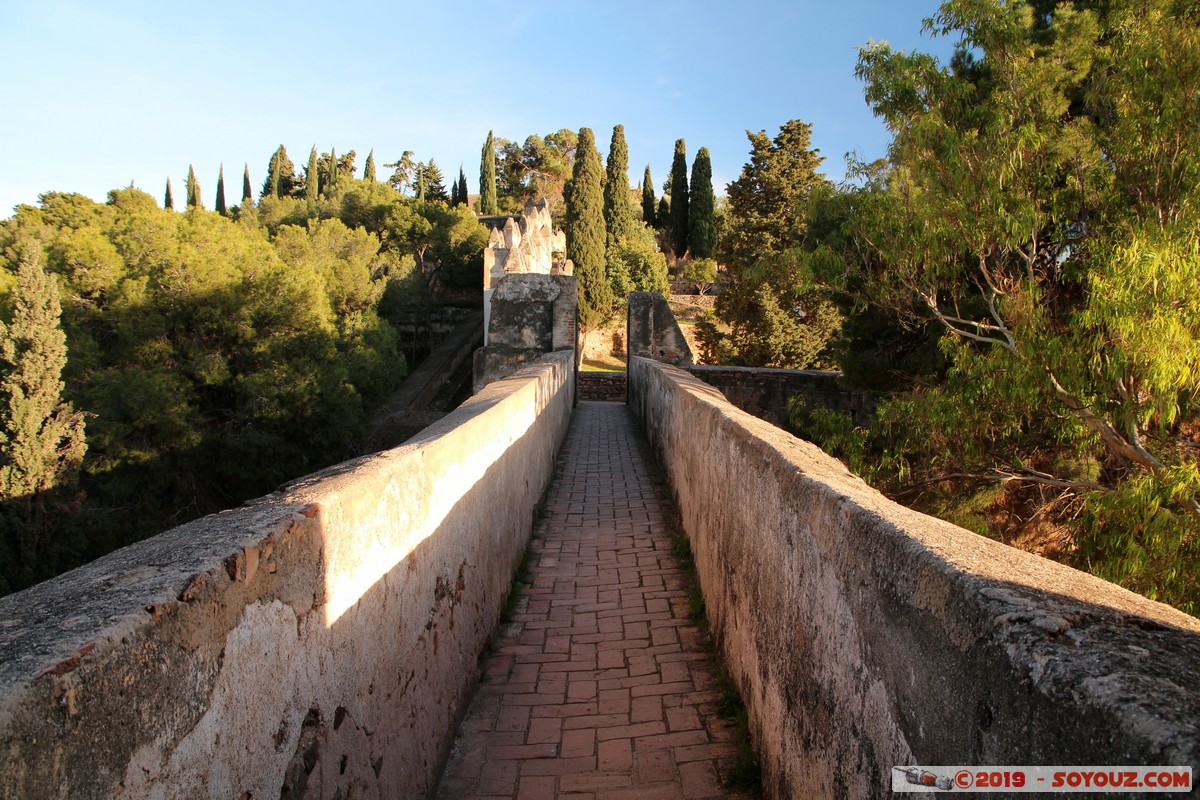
[{"x": 600, "y": 688}]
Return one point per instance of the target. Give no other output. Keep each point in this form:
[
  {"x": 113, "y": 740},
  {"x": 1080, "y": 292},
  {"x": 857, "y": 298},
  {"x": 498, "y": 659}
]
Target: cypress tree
[
  {"x": 463, "y": 195},
  {"x": 247, "y": 192},
  {"x": 42, "y": 436},
  {"x": 701, "y": 203},
  {"x": 369, "y": 167},
  {"x": 312, "y": 180},
  {"x": 219, "y": 205},
  {"x": 648, "y": 204},
  {"x": 679, "y": 200},
  {"x": 663, "y": 218},
  {"x": 586, "y": 234},
  {"x": 618, "y": 212},
  {"x": 193, "y": 189},
  {"x": 168, "y": 198},
  {"x": 281, "y": 175},
  {"x": 331, "y": 178},
  {"x": 487, "y": 177},
  {"x": 421, "y": 181}
]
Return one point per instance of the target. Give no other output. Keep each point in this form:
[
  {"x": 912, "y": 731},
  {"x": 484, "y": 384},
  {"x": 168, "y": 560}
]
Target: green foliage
[
  {"x": 369, "y": 168},
  {"x": 281, "y": 175},
  {"x": 434, "y": 182},
  {"x": 312, "y": 180},
  {"x": 702, "y": 272},
  {"x": 214, "y": 358},
  {"x": 219, "y": 203},
  {"x": 168, "y": 198},
  {"x": 679, "y": 200},
  {"x": 778, "y": 311},
  {"x": 193, "y": 189},
  {"x": 42, "y": 440},
  {"x": 42, "y": 437},
  {"x": 586, "y": 234},
  {"x": 538, "y": 169},
  {"x": 636, "y": 265},
  {"x": 701, "y": 207},
  {"x": 459, "y": 195},
  {"x": 618, "y": 211},
  {"x": 1039, "y": 209},
  {"x": 487, "y": 177},
  {"x": 767, "y": 203},
  {"x": 648, "y": 205},
  {"x": 247, "y": 191},
  {"x": 404, "y": 169}
]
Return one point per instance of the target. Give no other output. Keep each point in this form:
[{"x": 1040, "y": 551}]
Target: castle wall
[
  {"x": 863, "y": 635},
  {"x": 318, "y": 642}
]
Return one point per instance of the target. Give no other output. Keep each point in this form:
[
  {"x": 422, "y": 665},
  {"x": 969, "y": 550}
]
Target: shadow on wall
[{"x": 319, "y": 640}]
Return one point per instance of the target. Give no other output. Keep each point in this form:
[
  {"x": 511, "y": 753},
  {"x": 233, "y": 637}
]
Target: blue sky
[{"x": 96, "y": 95}]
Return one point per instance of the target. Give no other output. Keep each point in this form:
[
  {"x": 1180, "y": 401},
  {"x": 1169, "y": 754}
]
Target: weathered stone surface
[
  {"x": 864, "y": 635},
  {"x": 317, "y": 641},
  {"x": 653, "y": 331},
  {"x": 765, "y": 392},
  {"x": 530, "y": 315},
  {"x": 609, "y": 386}
]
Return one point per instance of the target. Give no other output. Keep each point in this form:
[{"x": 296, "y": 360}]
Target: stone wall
[
  {"x": 652, "y": 330},
  {"x": 765, "y": 392},
  {"x": 521, "y": 244},
  {"x": 608, "y": 386},
  {"x": 863, "y": 635},
  {"x": 318, "y": 642},
  {"x": 531, "y": 315}
]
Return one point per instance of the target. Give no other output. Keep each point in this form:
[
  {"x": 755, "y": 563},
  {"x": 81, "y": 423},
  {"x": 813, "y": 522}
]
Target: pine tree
[
  {"x": 369, "y": 167},
  {"x": 42, "y": 436},
  {"x": 219, "y": 205},
  {"x": 312, "y": 180},
  {"x": 193, "y": 189},
  {"x": 618, "y": 212},
  {"x": 247, "y": 192},
  {"x": 679, "y": 200},
  {"x": 701, "y": 204},
  {"x": 435, "y": 183},
  {"x": 487, "y": 177},
  {"x": 168, "y": 198},
  {"x": 648, "y": 204},
  {"x": 586, "y": 234}
]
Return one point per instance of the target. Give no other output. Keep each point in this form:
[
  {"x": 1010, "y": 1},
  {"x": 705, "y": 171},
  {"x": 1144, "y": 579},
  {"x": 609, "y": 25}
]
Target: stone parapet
[
  {"x": 318, "y": 642},
  {"x": 863, "y": 635}
]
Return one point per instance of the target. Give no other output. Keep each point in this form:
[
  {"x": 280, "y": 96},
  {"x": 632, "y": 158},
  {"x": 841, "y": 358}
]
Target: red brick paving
[{"x": 600, "y": 688}]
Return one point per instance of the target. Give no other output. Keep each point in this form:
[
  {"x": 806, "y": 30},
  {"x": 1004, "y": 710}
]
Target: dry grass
[{"x": 603, "y": 364}]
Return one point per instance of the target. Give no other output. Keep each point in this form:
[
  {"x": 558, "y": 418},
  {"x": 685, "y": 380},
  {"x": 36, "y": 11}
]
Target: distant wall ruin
[
  {"x": 521, "y": 244},
  {"x": 531, "y": 315}
]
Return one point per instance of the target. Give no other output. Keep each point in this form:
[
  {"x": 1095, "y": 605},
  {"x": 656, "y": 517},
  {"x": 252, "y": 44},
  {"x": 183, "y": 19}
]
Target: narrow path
[{"x": 600, "y": 689}]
